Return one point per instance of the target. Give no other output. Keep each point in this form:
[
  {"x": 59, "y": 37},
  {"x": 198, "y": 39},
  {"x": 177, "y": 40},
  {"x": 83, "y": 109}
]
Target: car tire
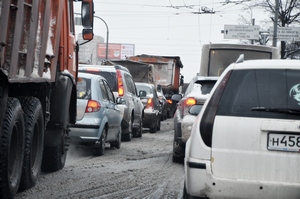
[
  {"x": 117, "y": 143},
  {"x": 139, "y": 131},
  {"x": 154, "y": 128},
  {"x": 158, "y": 125},
  {"x": 99, "y": 148},
  {"x": 34, "y": 141},
  {"x": 12, "y": 137}
]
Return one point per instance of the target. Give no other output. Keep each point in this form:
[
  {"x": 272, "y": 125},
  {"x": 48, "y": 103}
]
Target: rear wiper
[{"x": 276, "y": 110}]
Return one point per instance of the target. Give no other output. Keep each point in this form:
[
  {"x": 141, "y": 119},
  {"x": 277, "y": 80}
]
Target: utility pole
[{"x": 275, "y": 23}]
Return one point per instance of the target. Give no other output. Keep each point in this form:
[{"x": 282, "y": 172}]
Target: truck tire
[
  {"x": 54, "y": 157},
  {"x": 11, "y": 148},
  {"x": 34, "y": 141}
]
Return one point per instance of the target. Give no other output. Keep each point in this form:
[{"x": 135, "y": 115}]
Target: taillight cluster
[
  {"x": 169, "y": 101},
  {"x": 149, "y": 103},
  {"x": 92, "y": 106},
  {"x": 120, "y": 83}
]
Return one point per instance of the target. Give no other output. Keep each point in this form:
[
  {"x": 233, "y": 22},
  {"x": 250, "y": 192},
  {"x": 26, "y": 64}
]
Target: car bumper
[
  {"x": 82, "y": 133},
  {"x": 200, "y": 182},
  {"x": 150, "y": 118},
  {"x": 184, "y": 127}
]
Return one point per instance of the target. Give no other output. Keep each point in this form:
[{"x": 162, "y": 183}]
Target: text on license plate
[{"x": 284, "y": 142}]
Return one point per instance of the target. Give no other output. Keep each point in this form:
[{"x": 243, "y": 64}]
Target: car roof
[
  {"x": 89, "y": 76},
  {"x": 144, "y": 84},
  {"x": 198, "y": 77},
  {"x": 104, "y": 67},
  {"x": 266, "y": 64}
]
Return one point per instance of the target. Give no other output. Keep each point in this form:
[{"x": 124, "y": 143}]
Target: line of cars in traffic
[
  {"x": 243, "y": 139},
  {"x": 112, "y": 108}
]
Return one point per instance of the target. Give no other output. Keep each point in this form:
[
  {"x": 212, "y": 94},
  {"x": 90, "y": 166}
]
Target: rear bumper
[
  {"x": 200, "y": 182},
  {"x": 150, "y": 118},
  {"x": 84, "y": 134}
]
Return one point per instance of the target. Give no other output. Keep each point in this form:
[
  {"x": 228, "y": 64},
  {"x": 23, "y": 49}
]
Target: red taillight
[
  {"x": 207, "y": 121},
  {"x": 169, "y": 101},
  {"x": 190, "y": 101},
  {"x": 92, "y": 106},
  {"x": 120, "y": 83},
  {"x": 149, "y": 103}
]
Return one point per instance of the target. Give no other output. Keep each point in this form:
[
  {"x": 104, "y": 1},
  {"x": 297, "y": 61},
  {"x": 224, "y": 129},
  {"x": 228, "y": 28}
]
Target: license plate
[{"x": 284, "y": 142}]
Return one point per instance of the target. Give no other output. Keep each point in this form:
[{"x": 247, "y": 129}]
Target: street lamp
[{"x": 107, "y": 34}]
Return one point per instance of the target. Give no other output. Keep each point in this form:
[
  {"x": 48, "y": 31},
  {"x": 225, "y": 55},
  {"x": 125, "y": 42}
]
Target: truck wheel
[
  {"x": 99, "y": 149},
  {"x": 11, "y": 148},
  {"x": 54, "y": 157},
  {"x": 34, "y": 141}
]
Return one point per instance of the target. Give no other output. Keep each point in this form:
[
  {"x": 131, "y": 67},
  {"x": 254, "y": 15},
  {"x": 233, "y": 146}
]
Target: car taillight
[
  {"x": 187, "y": 104},
  {"x": 208, "y": 118},
  {"x": 149, "y": 103},
  {"x": 92, "y": 106},
  {"x": 190, "y": 101},
  {"x": 120, "y": 84},
  {"x": 169, "y": 101}
]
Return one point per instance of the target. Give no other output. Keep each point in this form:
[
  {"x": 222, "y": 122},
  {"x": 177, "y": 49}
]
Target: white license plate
[{"x": 284, "y": 142}]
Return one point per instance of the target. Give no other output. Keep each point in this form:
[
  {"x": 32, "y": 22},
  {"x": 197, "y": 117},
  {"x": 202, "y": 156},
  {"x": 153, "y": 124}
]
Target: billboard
[{"x": 115, "y": 51}]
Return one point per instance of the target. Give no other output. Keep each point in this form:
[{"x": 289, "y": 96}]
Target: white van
[{"x": 246, "y": 139}]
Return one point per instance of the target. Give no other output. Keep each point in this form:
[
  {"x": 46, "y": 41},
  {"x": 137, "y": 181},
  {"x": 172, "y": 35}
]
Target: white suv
[{"x": 246, "y": 139}]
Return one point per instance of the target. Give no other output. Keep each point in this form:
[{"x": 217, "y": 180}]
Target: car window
[
  {"x": 129, "y": 84},
  {"x": 248, "y": 89},
  {"x": 84, "y": 89},
  {"x": 144, "y": 88},
  {"x": 108, "y": 75},
  {"x": 103, "y": 90},
  {"x": 109, "y": 92},
  {"x": 206, "y": 86}
]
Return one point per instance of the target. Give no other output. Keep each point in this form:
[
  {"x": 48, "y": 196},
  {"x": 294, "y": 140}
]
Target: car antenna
[{"x": 240, "y": 59}]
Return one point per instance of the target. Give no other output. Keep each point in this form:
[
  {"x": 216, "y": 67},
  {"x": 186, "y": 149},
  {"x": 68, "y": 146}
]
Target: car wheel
[
  {"x": 117, "y": 143},
  {"x": 154, "y": 128},
  {"x": 177, "y": 149},
  {"x": 99, "y": 149},
  {"x": 158, "y": 125},
  {"x": 139, "y": 131}
]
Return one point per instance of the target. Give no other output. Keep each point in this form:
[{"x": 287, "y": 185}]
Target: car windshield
[
  {"x": 144, "y": 88},
  {"x": 84, "y": 89},
  {"x": 262, "y": 93}
]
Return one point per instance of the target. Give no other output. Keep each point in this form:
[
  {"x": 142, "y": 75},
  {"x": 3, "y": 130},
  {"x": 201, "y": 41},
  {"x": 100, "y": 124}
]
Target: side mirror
[
  {"x": 120, "y": 100},
  {"x": 195, "y": 109},
  {"x": 176, "y": 97},
  {"x": 87, "y": 13},
  {"x": 142, "y": 93}
]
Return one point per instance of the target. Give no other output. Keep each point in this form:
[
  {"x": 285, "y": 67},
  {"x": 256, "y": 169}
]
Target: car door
[{"x": 113, "y": 113}]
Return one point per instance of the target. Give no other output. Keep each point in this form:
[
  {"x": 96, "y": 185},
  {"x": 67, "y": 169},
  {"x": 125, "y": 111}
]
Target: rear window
[
  {"x": 206, "y": 86},
  {"x": 144, "y": 88},
  {"x": 84, "y": 89},
  {"x": 269, "y": 93},
  {"x": 109, "y": 76}
]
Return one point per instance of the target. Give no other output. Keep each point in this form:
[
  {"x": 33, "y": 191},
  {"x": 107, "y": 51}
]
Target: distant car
[
  {"x": 98, "y": 116},
  {"x": 122, "y": 85},
  {"x": 163, "y": 101},
  {"x": 152, "y": 107},
  {"x": 246, "y": 139},
  {"x": 195, "y": 94}
]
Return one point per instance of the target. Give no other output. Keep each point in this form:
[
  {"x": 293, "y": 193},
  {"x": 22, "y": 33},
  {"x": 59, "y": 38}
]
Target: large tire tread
[
  {"x": 11, "y": 143},
  {"x": 34, "y": 141}
]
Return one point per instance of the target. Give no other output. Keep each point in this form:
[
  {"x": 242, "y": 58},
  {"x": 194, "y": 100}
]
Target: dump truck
[
  {"x": 162, "y": 71},
  {"x": 38, "y": 75}
]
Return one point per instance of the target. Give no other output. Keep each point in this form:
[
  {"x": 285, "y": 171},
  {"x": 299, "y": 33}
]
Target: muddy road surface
[{"x": 141, "y": 168}]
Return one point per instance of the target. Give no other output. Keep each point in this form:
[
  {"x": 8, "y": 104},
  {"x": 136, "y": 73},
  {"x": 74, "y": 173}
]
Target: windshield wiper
[{"x": 276, "y": 110}]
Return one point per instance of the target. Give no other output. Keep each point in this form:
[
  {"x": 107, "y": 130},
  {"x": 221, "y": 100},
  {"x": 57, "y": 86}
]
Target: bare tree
[{"x": 289, "y": 13}]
